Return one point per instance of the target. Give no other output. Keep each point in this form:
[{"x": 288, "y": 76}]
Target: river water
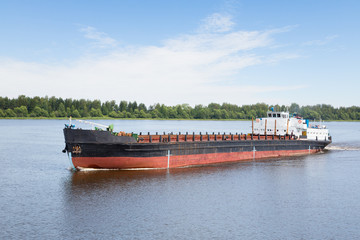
[{"x": 308, "y": 197}]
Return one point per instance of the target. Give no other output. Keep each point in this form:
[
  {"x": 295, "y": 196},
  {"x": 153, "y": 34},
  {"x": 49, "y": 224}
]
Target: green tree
[
  {"x": 21, "y": 111},
  {"x": 214, "y": 106},
  {"x": 122, "y": 106},
  {"x": 44, "y": 103},
  {"x": 32, "y": 103},
  {"x": 24, "y": 106},
  {"x": 22, "y": 100},
  {"x": 163, "y": 111},
  {"x": 142, "y": 107},
  {"x": 216, "y": 114},
  {"x": 182, "y": 111},
  {"x": 114, "y": 114},
  {"x": 68, "y": 103},
  {"x": 10, "y": 113},
  {"x": 136, "y": 113},
  {"x": 95, "y": 112},
  {"x": 75, "y": 114},
  {"x": 251, "y": 114},
  {"x": 122, "y": 114},
  {"x": 143, "y": 114},
  {"x": 128, "y": 115},
  {"x": 96, "y": 104},
  {"x": 52, "y": 114},
  {"x": 108, "y": 106},
  {"x": 39, "y": 112},
  {"x": 52, "y": 104},
  {"x": 60, "y": 112},
  {"x": 155, "y": 113},
  {"x": 172, "y": 113},
  {"x": 201, "y": 112}
]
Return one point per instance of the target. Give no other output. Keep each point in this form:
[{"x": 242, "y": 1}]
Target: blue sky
[{"x": 174, "y": 52}]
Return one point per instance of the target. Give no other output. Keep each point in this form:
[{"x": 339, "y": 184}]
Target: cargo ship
[{"x": 276, "y": 135}]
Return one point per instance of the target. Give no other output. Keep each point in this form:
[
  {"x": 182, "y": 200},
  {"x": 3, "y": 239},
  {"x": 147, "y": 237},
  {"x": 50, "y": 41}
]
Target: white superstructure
[
  {"x": 318, "y": 131},
  {"x": 281, "y": 124}
]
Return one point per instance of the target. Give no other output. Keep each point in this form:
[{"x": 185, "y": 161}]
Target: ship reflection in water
[{"x": 156, "y": 204}]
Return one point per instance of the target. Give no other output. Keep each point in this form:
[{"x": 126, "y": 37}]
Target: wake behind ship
[{"x": 273, "y": 136}]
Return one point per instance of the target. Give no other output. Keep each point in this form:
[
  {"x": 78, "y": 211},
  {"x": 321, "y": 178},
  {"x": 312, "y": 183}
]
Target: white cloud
[
  {"x": 217, "y": 23},
  {"x": 321, "y": 42},
  {"x": 187, "y": 69},
  {"x": 101, "y": 39}
]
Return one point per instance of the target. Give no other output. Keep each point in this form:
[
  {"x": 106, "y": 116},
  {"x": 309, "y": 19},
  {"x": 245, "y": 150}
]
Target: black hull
[{"x": 101, "y": 146}]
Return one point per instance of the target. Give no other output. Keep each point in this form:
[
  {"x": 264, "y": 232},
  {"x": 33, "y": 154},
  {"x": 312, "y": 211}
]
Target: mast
[
  {"x": 275, "y": 128},
  {"x": 265, "y": 126},
  {"x": 252, "y": 125},
  {"x": 287, "y": 127}
]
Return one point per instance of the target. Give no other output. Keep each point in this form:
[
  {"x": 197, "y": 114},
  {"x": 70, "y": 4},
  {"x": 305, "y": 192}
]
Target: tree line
[{"x": 53, "y": 107}]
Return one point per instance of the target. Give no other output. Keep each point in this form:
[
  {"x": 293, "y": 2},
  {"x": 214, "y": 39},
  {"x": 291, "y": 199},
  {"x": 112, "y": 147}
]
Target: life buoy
[{"x": 300, "y": 121}]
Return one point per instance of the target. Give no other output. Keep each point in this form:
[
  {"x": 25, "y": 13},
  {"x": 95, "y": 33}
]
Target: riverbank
[
  {"x": 57, "y": 108},
  {"x": 110, "y": 118},
  {"x": 171, "y": 119}
]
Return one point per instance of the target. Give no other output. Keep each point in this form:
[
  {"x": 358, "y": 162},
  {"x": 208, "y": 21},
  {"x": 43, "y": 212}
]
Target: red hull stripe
[{"x": 178, "y": 161}]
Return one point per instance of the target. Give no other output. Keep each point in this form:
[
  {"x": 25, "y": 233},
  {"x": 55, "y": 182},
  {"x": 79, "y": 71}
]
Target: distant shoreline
[
  {"x": 46, "y": 107},
  {"x": 109, "y": 118},
  {"x": 164, "y": 119}
]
